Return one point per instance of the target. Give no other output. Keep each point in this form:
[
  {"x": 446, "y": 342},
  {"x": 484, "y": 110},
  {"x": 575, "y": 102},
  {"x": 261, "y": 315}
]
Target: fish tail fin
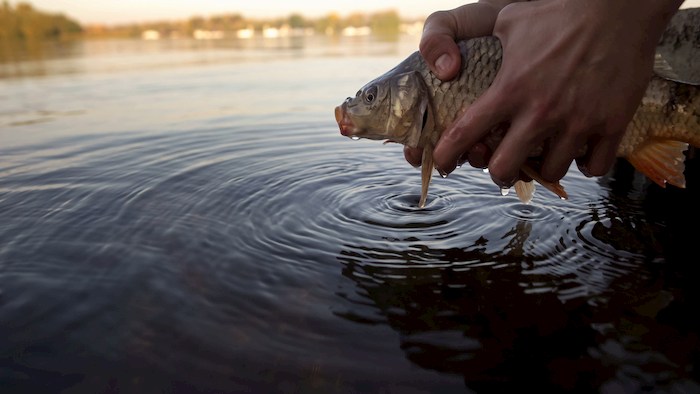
[
  {"x": 426, "y": 174},
  {"x": 661, "y": 160},
  {"x": 554, "y": 187},
  {"x": 525, "y": 190}
]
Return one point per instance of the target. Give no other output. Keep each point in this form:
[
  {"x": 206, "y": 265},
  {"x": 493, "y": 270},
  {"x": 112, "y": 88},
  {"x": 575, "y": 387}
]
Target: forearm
[
  {"x": 653, "y": 15},
  {"x": 648, "y": 18}
]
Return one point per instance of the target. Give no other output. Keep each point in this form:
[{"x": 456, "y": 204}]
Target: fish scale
[{"x": 481, "y": 59}]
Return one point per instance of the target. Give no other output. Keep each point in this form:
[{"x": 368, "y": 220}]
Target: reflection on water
[
  {"x": 599, "y": 308},
  {"x": 184, "y": 214},
  {"x": 40, "y": 58}
]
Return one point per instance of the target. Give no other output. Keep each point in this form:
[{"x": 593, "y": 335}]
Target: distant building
[
  {"x": 150, "y": 35},
  {"x": 302, "y": 32},
  {"x": 275, "y": 32},
  {"x": 208, "y": 34},
  {"x": 245, "y": 33},
  {"x": 352, "y": 31}
]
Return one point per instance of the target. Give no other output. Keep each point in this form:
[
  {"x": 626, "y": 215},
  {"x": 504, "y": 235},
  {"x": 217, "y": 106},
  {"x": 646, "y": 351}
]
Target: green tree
[
  {"x": 195, "y": 23},
  {"x": 387, "y": 22},
  {"x": 296, "y": 21},
  {"x": 24, "y": 22},
  {"x": 355, "y": 20},
  {"x": 329, "y": 23},
  {"x": 9, "y": 23}
]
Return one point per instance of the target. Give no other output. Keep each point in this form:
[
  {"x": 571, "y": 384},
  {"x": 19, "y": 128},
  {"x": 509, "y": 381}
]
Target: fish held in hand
[{"x": 411, "y": 106}]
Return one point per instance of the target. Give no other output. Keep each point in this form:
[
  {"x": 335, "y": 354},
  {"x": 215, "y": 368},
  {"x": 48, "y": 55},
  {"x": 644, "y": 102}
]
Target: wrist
[
  {"x": 651, "y": 16},
  {"x": 638, "y": 23}
]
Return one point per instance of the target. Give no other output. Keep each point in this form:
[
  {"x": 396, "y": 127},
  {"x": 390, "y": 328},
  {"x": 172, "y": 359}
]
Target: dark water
[{"x": 185, "y": 217}]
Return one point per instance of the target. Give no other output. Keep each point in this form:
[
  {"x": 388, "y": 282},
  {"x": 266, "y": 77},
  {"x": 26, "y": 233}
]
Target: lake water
[{"x": 184, "y": 216}]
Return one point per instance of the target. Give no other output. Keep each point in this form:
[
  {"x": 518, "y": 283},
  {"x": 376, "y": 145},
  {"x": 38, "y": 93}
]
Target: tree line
[
  {"x": 381, "y": 22},
  {"x": 25, "y": 23}
]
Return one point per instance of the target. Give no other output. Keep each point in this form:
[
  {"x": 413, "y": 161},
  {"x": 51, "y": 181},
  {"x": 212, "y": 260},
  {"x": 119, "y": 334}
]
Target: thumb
[{"x": 443, "y": 28}]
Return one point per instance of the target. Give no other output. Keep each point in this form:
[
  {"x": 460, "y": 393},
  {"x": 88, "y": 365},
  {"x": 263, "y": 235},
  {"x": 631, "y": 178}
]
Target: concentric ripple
[
  {"x": 191, "y": 219},
  {"x": 295, "y": 190},
  {"x": 187, "y": 221}
]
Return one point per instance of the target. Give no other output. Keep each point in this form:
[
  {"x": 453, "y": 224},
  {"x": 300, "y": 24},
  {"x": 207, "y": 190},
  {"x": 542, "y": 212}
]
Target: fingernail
[
  {"x": 442, "y": 64},
  {"x": 442, "y": 173}
]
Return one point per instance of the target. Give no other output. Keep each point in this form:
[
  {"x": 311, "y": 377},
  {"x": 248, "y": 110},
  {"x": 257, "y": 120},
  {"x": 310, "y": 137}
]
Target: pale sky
[{"x": 123, "y": 11}]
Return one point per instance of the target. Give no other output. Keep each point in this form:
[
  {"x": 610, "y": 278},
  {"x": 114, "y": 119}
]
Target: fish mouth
[{"x": 347, "y": 128}]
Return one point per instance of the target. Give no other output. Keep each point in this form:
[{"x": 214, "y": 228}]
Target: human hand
[
  {"x": 573, "y": 73},
  {"x": 441, "y": 31}
]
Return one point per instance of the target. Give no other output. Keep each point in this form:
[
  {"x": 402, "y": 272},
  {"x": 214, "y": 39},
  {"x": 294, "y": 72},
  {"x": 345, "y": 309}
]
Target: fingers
[
  {"x": 466, "y": 131},
  {"x": 562, "y": 150},
  {"x": 438, "y": 46},
  {"x": 478, "y": 156},
  {"x": 443, "y": 28},
  {"x": 601, "y": 156},
  {"x": 413, "y": 156},
  {"x": 514, "y": 149}
]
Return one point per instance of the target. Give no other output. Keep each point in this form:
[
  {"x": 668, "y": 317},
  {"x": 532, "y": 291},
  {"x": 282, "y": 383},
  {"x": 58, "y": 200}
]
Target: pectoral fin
[
  {"x": 426, "y": 174},
  {"x": 525, "y": 190},
  {"x": 662, "y": 161},
  {"x": 554, "y": 187}
]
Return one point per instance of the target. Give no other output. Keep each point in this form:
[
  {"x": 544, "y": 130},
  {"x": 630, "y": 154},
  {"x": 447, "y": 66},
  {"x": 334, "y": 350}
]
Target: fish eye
[{"x": 371, "y": 94}]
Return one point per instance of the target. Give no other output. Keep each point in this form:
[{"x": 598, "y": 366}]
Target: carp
[{"x": 411, "y": 106}]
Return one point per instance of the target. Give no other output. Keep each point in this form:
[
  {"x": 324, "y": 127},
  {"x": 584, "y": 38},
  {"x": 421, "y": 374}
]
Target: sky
[{"x": 125, "y": 11}]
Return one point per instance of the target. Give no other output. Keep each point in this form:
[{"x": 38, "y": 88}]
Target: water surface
[{"x": 184, "y": 216}]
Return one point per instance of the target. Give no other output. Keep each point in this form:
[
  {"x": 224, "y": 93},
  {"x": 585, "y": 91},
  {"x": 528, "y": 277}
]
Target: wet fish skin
[
  {"x": 411, "y": 87},
  {"x": 665, "y": 123},
  {"x": 411, "y": 106}
]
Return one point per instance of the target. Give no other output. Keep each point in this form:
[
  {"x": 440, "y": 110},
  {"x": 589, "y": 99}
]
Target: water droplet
[
  {"x": 485, "y": 170},
  {"x": 505, "y": 191},
  {"x": 458, "y": 166},
  {"x": 354, "y": 138}
]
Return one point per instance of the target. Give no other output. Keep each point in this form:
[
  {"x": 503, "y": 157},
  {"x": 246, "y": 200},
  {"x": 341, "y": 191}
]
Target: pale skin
[{"x": 573, "y": 73}]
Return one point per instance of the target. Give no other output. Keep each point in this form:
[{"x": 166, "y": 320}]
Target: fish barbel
[{"x": 411, "y": 106}]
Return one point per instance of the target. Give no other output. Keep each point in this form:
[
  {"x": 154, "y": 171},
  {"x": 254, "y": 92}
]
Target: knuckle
[
  {"x": 439, "y": 23},
  {"x": 509, "y": 12},
  {"x": 545, "y": 111}
]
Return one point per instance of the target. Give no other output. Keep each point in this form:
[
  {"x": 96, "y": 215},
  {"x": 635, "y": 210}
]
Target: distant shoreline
[{"x": 24, "y": 22}]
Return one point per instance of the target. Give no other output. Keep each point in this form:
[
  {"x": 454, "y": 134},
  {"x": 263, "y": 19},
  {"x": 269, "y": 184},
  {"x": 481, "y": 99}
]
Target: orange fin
[
  {"x": 554, "y": 187},
  {"x": 662, "y": 161}
]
